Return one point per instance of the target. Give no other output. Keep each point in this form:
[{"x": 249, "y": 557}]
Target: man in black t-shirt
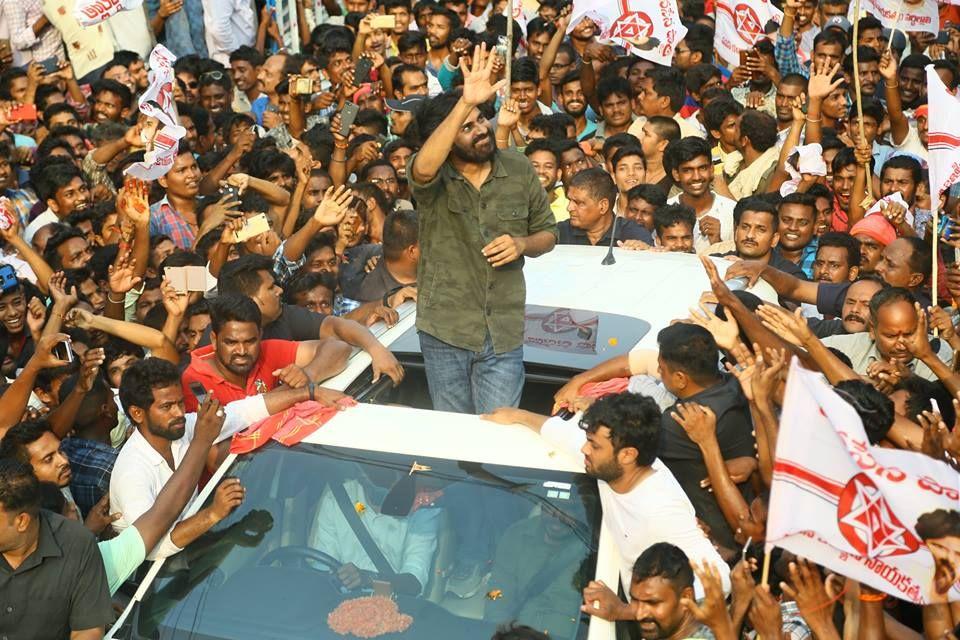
[
  {"x": 252, "y": 276},
  {"x": 689, "y": 369}
]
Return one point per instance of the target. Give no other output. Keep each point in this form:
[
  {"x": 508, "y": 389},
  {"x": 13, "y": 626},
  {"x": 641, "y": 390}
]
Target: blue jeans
[{"x": 466, "y": 381}]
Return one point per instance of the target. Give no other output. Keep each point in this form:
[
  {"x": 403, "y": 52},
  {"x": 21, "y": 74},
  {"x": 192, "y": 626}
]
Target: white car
[{"x": 269, "y": 570}]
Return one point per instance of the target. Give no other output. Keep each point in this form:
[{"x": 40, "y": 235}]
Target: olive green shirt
[{"x": 460, "y": 297}]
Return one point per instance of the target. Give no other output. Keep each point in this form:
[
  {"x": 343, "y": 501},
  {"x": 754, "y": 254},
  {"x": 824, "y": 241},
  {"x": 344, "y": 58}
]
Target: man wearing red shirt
[{"x": 237, "y": 363}]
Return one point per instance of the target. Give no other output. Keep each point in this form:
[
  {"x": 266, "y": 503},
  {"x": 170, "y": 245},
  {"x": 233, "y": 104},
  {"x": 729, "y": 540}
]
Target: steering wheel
[{"x": 299, "y": 554}]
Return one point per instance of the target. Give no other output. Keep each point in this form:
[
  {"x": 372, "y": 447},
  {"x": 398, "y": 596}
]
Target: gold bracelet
[
  {"x": 893, "y": 86},
  {"x": 109, "y": 299},
  {"x": 808, "y": 119}
]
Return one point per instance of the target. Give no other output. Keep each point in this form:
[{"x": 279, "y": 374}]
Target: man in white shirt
[
  {"x": 151, "y": 393},
  {"x": 228, "y": 24},
  {"x": 690, "y": 163},
  {"x": 642, "y": 502}
]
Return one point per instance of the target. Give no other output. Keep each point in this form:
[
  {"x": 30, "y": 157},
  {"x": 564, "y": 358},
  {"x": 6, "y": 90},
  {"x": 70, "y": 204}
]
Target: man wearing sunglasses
[{"x": 215, "y": 91}]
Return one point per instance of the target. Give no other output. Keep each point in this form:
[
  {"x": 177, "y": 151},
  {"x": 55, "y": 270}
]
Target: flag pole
[
  {"x": 936, "y": 238},
  {"x": 893, "y": 29},
  {"x": 856, "y": 82},
  {"x": 508, "y": 63},
  {"x": 764, "y": 577}
]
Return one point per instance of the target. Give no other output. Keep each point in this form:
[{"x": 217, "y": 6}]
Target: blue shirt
[
  {"x": 183, "y": 31},
  {"x": 91, "y": 463}
]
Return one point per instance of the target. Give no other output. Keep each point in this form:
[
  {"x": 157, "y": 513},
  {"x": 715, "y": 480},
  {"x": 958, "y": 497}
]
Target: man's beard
[
  {"x": 472, "y": 154},
  {"x": 607, "y": 472},
  {"x": 173, "y": 431}
]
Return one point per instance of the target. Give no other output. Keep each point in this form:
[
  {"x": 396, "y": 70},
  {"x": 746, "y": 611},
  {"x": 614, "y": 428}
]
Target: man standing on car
[{"x": 481, "y": 211}]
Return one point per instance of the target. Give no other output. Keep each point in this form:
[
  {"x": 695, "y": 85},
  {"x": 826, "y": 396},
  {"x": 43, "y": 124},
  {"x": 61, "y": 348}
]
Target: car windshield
[{"x": 460, "y": 547}]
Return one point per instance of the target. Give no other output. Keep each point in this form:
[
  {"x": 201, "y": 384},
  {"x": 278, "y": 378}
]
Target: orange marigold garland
[{"x": 368, "y": 617}]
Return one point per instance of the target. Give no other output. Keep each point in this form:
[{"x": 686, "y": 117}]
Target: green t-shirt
[{"x": 121, "y": 557}]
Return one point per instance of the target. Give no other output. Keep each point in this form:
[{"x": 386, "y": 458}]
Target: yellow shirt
[{"x": 559, "y": 205}]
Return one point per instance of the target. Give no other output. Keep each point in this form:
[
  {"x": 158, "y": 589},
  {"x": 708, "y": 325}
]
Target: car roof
[
  {"x": 438, "y": 434},
  {"x": 657, "y": 287}
]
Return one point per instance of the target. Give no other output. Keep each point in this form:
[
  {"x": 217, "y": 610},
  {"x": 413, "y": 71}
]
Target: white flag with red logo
[
  {"x": 91, "y": 12},
  {"x": 884, "y": 517},
  {"x": 158, "y": 102},
  {"x": 740, "y": 24},
  {"x": 912, "y": 16},
  {"x": 943, "y": 134},
  {"x": 648, "y": 29}
]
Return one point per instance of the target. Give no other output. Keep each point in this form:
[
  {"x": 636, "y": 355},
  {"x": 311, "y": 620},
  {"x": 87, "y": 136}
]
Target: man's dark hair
[
  {"x": 760, "y": 128},
  {"x": 51, "y": 253},
  {"x": 373, "y": 119},
  {"x": 700, "y": 38},
  {"x": 411, "y": 40},
  {"x": 218, "y": 77},
  {"x": 20, "y": 436},
  {"x": 874, "y": 408},
  {"x": 249, "y": 54},
  {"x": 618, "y": 141},
  {"x": 553, "y": 125},
  {"x": 802, "y": 199},
  {"x": 951, "y": 67},
  {"x": 633, "y": 421},
  {"x": 58, "y": 108},
  {"x": 233, "y": 308},
  {"x": 921, "y": 257},
  {"x": 831, "y": 37},
  {"x": 19, "y": 487},
  {"x": 887, "y": 296},
  {"x": 305, "y": 281},
  {"x": 666, "y": 128},
  {"x": 118, "y": 348},
  {"x": 698, "y": 75},
  {"x": 597, "y": 183},
  {"x": 919, "y": 393},
  {"x": 400, "y": 230},
  {"x": 685, "y": 150},
  {"x": 754, "y": 203},
  {"x": 53, "y": 176},
  {"x": 626, "y": 152},
  {"x": 542, "y": 145},
  {"x": 449, "y": 14},
  {"x": 649, "y": 193},
  {"x": 907, "y": 163},
  {"x": 613, "y": 86},
  {"x": 664, "y": 560},
  {"x": 668, "y": 81},
  {"x": 717, "y": 111},
  {"x": 399, "y": 70},
  {"x": 141, "y": 378},
  {"x": 92, "y": 403},
  {"x": 690, "y": 349},
  {"x": 118, "y": 89},
  {"x": 939, "y": 523},
  {"x": 845, "y": 158},
  {"x": 435, "y": 111},
  {"x": 525, "y": 70},
  {"x": 914, "y": 61},
  {"x": 672, "y": 214},
  {"x": 242, "y": 276},
  {"x": 842, "y": 241}
]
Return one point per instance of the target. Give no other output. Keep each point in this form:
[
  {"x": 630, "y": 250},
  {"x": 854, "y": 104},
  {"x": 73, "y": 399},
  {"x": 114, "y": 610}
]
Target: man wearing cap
[
  {"x": 874, "y": 234},
  {"x": 402, "y": 112}
]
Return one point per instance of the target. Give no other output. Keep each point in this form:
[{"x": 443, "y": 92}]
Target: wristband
[
  {"x": 109, "y": 299},
  {"x": 311, "y": 387},
  {"x": 870, "y": 597}
]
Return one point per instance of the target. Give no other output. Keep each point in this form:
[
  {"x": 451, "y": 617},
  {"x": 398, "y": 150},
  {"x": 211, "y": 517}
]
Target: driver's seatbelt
[{"x": 363, "y": 536}]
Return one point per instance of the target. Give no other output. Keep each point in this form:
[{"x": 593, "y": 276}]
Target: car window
[{"x": 276, "y": 566}]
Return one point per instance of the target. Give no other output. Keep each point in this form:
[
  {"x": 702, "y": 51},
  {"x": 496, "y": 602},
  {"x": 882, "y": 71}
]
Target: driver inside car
[{"x": 408, "y": 543}]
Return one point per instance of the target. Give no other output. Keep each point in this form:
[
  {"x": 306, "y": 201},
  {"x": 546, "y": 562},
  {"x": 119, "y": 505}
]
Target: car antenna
[{"x": 609, "y": 259}]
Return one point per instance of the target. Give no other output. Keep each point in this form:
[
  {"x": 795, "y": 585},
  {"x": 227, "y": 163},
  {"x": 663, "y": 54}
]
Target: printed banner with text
[
  {"x": 740, "y": 24},
  {"x": 650, "y": 29},
  {"x": 885, "y": 517}
]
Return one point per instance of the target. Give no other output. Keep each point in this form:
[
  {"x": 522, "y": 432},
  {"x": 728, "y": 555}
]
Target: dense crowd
[{"x": 383, "y": 152}]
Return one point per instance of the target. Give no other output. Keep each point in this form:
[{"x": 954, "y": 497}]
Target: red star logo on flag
[{"x": 867, "y": 522}]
